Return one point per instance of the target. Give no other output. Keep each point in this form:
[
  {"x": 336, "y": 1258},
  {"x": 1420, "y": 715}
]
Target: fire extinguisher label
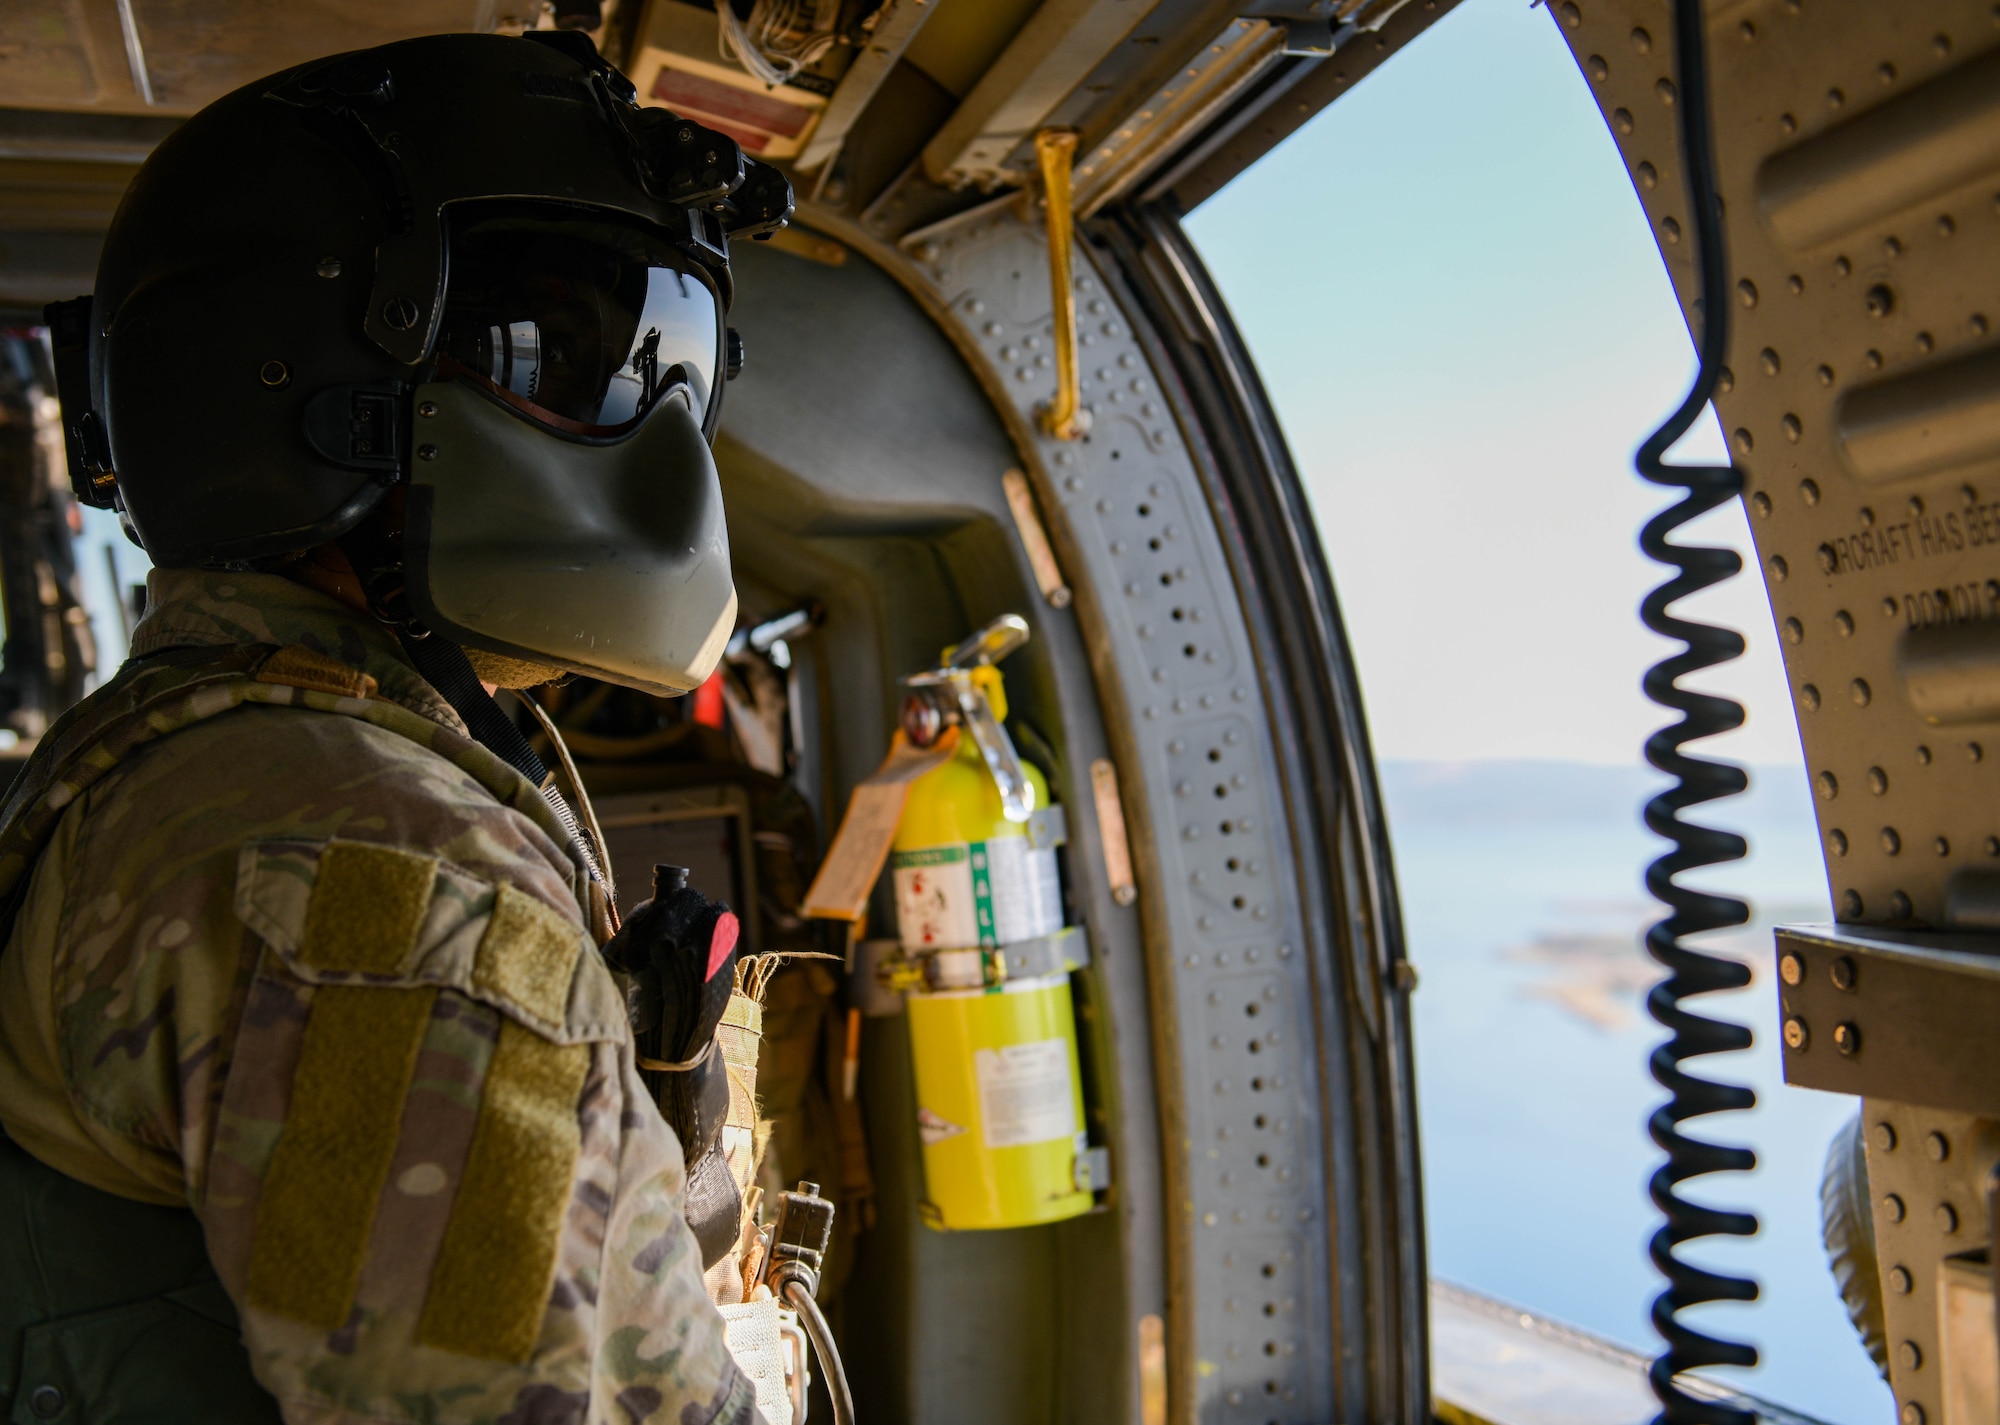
[
  {"x": 987, "y": 893},
  {"x": 1025, "y": 1095}
]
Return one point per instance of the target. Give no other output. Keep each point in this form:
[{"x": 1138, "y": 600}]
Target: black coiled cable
[{"x": 1689, "y": 971}]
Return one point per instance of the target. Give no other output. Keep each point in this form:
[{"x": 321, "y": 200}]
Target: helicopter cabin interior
[{"x": 949, "y": 412}]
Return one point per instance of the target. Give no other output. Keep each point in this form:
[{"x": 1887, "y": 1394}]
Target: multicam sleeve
[{"x": 439, "y": 1190}]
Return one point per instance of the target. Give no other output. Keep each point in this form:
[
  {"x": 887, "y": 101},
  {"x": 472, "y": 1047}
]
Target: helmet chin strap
[{"x": 373, "y": 550}]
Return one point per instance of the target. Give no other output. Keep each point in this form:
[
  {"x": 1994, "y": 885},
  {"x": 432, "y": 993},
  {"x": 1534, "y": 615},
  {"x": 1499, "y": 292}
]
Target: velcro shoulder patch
[{"x": 353, "y": 913}]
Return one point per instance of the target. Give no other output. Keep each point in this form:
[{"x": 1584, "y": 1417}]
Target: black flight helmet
[{"x": 467, "y": 264}]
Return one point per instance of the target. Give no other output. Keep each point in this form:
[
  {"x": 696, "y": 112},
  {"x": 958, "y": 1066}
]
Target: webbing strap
[{"x": 445, "y": 667}]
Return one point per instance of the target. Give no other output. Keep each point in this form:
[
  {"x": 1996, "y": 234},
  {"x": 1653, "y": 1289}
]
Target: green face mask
[{"x": 608, "y": 559}]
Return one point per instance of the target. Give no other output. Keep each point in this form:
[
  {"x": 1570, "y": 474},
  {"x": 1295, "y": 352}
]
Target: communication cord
[
  {"x": 1690, "y": 972},
  {"x": 800, "y": 1297}
]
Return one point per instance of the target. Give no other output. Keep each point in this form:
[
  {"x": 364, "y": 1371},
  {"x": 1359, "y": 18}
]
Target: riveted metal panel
[
  {"x": 1859, "y": 151},
  {"x": 1926, "y": 1171}
]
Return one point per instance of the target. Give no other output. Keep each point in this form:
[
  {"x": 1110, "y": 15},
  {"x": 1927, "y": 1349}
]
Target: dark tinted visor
[{"x": 580, "y": 324}]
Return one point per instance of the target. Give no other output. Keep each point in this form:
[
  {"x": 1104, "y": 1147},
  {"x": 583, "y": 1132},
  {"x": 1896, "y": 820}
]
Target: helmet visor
[{"x": 583, "y": 326}]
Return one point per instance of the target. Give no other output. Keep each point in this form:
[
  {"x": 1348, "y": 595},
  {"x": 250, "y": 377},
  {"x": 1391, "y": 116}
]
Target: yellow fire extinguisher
[{"x": 986, "y": 960}]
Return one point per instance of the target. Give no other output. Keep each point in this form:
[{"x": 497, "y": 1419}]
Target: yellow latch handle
[{"x": 1055, "y": 149}]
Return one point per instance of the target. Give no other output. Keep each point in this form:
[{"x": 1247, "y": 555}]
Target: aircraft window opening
[
  {"x": 1257, "y": 1086},
  {"x": 1239, "y": 903},
  {"x": 1253, "y": 1009}
]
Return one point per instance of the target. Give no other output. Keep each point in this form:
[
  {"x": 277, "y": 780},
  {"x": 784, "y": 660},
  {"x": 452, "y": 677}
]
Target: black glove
[{"x": 680, "y": 950}]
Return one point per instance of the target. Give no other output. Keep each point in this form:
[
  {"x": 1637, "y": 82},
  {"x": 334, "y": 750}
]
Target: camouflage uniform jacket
[{"x": 298, "y": 954}]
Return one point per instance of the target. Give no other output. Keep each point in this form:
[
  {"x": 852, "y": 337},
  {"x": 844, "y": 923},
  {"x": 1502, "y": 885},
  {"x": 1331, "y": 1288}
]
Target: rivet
[
  {"x": 1795, "y": 284},
  {"x": 1761, "y": 503},
  {"x": 1791, "y": 427},
  {"x": 1665, "y": 89},
  {"x": 1886, "y": 72},
  {"x": 1641, "y": 41},
  {"x": 1836, "y": 841},
  {"x": 1891, "y": 842},
  {"x": 1937, "y": 1147},
  {"x": 1867, "y": 516},
  {"x": 1829, "y": 786},
  {"x": 1858, "y": 689},
  {"x": 1797, "y": 1037},
  {"x": 1851, "y": 904},
  {"x": 1835, "y": 98},
  {"x": 1911, "y": 1413},
  {"x": 1892, "y": 1206},
  {"x": 1880, "y": 300},
  {"x": 328, "y": 267},
  {"x": 1746, "y": 292},
  {"x": 1946, "y": 1218},
  {"x": 1899, "y": 906},
  {"x": 1825, "y": 375},
  {"x": 1974, "y": 752},
  {"x": 1743, "y": 440},
  {"x": 1993, "y": 846},
  {"x": 1809, "y": 698},
  {"x": 427, "y": 409},
  {"x": 1843, "y": 623},
  {"x": 1847, "y": 1039},
  {"x": 1792, "y": 968},
  {"x": 1926, "y": 343},
  {"x": 46, "y": 1402},
  {"x": 1768, "y": 359},
  {"x": 1878, "y": 781},
  {"x": 1872, "y": 358},
  {"x": 275, "y": 374},
  {"x": 1571, "y": 16},
  {"x": 1890, "y": 608},
  {"x": 1945, "y": 225},
  {"x": 1779, "y": 569},
  {"x": 1809, "y": 489},
  {"x": 1842, "y": 267},
  {"x": 1787, "y": 124},
  {"x": 1841, "y": 972},
  {"x": 1910, "y": 1356},
  {"x": 427, "y": 452},
  {"x": 1649, "y": 176},
  {"x": 1923, "y": 755},
  {"x": 1670, "y": 229},
  {"x": 1883, "y": 1137}
]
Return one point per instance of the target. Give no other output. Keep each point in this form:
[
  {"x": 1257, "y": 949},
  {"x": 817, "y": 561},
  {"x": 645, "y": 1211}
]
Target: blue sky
[{"x": 1454, "y": 299}]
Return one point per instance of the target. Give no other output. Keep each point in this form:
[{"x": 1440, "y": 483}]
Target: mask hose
[{"x": 1690, "y": 972}]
